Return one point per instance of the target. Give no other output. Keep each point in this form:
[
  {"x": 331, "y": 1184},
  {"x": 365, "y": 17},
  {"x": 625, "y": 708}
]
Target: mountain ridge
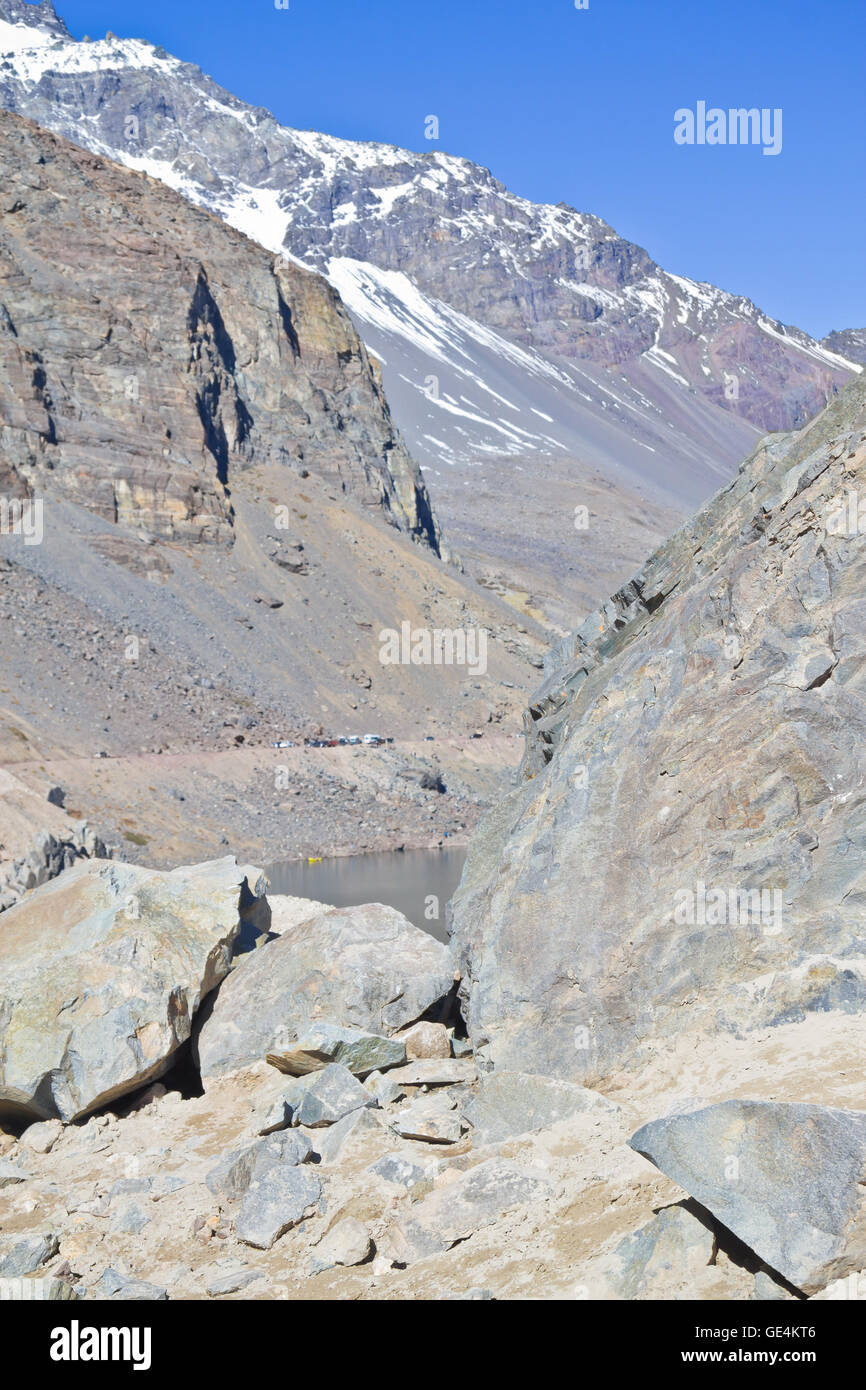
[{"x": 543, "y": 279}]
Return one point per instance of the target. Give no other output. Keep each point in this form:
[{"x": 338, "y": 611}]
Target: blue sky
[{"x": 578, "y": 106}]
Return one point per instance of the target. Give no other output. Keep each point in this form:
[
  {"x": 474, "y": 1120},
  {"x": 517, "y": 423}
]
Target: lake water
[{"x": 418, "y": 882}]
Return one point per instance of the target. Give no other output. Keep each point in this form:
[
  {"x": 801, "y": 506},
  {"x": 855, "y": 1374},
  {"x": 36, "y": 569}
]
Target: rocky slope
[
  {"x": 255, "y": 362},
  {"x": 849, "y": 343},
  {"x": 228, "y": 518},
  {"x": 685, "y": 851}
]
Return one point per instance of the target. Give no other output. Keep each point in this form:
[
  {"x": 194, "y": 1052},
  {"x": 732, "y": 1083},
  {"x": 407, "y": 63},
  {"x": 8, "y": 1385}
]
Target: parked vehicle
[{"x": 283, "y": 743}]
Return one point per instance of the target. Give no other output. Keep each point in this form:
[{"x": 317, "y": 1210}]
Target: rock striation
[
  {"x": 148, "y": 353},
  {"x": 685, "y": 849}
]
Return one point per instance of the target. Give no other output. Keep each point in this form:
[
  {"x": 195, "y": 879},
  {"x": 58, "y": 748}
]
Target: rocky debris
[
  {"x": 347, "y": 1243},
  {"x": 426, "y": 1041},
  {"x": 786, "y": 1178},
  {"x": 590, "y": 923},
  {"x": 229, "y": 1276},
  {"x": 326, "y": 1096},
  {"x": 383, "y": 1088},
  {"x": 361, "y": 1053},
  {"x": 508, "y": 1103},
  {"x": 439, "y": 1071},
  {"x": 47, "y": 858},
  {"x": 121, "y": 1289},
  {"x": 274, "y": 1203},
  {"x": 454, "y": 1212},
  {"x": 21, "y": 1257},
  {"x": 101, "y": 974},
  {"x": 365, "y": 967},
  {"x": 429, "y": 1120},
  {"x": 230, "y": 1179},
  {"x": 335, "y": 1143},
  {"x": 42, "y": 1136}
]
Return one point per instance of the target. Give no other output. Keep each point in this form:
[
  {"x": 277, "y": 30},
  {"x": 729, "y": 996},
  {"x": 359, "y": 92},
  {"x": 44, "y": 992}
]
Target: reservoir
[{"x": 418, "y": 882}]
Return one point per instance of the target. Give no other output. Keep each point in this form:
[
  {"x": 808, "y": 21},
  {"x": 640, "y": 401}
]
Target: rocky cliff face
[
  {"x": 148, "y": 353},
  {"x": 546, "y": 279},
  {"x": 850, "y": 343},
  {"x": 686, "y": 852}
]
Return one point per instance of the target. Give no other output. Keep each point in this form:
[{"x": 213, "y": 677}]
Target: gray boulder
[
  {"x": 101, "y": 974},
  {"x": 230, "y": 1178},
  {"x": 691, "y": 790},
  {"x": 121, "y": 1289},
  {"x": 509, "y": 1103},
  {"x": 476, "y": 1199},
  {"x": 667, "y": 1258},
  {"x": 365, "y": 967},
  {"x": 327, "y": 1096},
  {"x": 348, "y": 1243},
  {"x": 787, "y": 1178},
  {"x": 25, "y": 1256},
  {"x": 275, "y": 1203}
]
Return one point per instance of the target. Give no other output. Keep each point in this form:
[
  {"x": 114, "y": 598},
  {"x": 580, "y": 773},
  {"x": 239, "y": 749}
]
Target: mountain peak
[{"x": 41, "y": 16}]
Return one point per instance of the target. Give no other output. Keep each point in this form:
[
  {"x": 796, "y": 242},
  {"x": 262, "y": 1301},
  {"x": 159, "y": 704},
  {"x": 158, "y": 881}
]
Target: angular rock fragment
[
  {"x": 789, "y": 1179},
  {"x": 509, "y": 1103},
  {"x": 274, "y": 1203},
  {"x": 322, "y": 1043},
  {"x": 326, "y": 1096},
  {"x": 471, "y": 1202},
  {"x": 364, "y": 967}
]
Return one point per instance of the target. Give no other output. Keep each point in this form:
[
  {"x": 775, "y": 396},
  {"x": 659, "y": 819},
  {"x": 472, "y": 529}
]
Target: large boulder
[
  {"x": 688, "y": 835},
  {"x": 101, "y": 974},
  {"x": 366, "y": 967},
  {"x": 787, "y": 1178}
]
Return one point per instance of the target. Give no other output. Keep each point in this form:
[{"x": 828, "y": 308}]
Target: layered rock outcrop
[
  {"x": 148, "y": 352},
  {"x": 686, "y": 850}
]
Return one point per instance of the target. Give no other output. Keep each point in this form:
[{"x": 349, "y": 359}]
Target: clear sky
[{"x": 577, "y": 106}]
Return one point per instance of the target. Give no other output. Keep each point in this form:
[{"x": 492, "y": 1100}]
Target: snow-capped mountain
[{"x": 504, "y": 327}]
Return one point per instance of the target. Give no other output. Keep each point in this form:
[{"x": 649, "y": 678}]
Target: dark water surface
[{"x": 418, "y": 882}]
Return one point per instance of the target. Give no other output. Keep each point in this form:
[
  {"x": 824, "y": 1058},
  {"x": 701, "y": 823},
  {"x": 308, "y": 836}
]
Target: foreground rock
[
  {"x": 274, "y": 1204},
  {"x": 507, "y": 1104},
  {"x": 693, "y": 782},
  {"x": 365, "y": 967},
  {"x": 101, "y": 974},
  {"x": 788, "y": 1179},
  {"x": 474, "y": 1200}
]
